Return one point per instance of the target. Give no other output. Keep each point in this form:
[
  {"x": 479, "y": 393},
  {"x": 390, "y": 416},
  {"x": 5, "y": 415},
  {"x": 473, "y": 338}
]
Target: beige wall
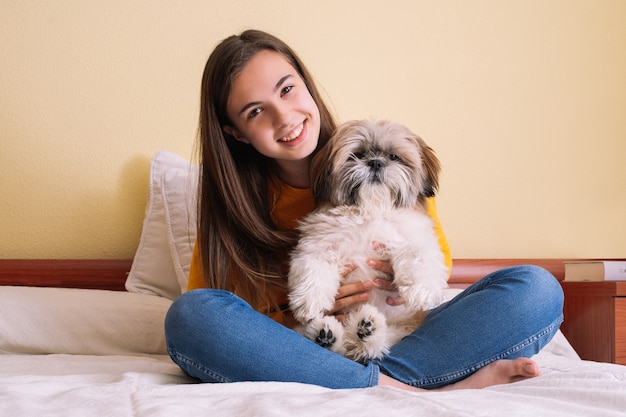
[{"x": 524, "y": 101}]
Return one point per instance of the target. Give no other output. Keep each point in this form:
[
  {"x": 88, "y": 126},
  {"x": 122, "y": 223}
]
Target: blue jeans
[{"x": 215, "y": 336}]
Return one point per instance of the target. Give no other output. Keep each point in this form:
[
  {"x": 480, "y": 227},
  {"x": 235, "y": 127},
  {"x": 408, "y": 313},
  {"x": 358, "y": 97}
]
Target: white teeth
[{"x": 294, "y": 135}]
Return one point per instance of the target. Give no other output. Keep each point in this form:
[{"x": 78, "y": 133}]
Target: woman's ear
[{"x": 235, "y": 133}]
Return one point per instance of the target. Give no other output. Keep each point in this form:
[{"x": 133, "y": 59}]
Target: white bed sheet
[{"x": 115, "y": 385}]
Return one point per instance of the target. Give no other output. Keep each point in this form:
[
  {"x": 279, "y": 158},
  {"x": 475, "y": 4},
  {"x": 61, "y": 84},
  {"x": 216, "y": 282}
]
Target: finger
[
  {"x": 354, "y": 288},
  {"x": 378, "y": 246},
  {"x": 395, "y": 301},
  {"x": 347, "y": 269},
  {"x": 341, "y": 317},
  {"x": 382, "y": 266},
  {"x": 345, "y": 302},
  {"x": 385, "y": 284}
]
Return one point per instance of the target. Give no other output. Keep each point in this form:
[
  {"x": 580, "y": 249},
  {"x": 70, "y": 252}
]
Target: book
[{"x": 595, "y": 271}]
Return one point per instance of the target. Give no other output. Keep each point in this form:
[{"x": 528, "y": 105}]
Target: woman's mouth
[{"x": 293, "y": 135}]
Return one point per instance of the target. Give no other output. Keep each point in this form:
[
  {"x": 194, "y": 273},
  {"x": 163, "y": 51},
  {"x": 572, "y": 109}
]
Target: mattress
[{"x": 93, "y": 352}]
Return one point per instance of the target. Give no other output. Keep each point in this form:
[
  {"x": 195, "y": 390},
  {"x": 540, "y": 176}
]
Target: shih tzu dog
[{"x": 370, "y": 183}]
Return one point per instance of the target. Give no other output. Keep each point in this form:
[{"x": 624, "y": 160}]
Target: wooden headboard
[
  {"x": 110, "y": 274},
  {"x": 468, "y": 271},
  {"x": 104, "y": 274}
]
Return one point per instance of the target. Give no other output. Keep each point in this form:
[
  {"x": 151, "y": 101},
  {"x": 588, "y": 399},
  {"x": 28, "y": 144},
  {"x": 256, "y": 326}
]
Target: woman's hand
[
  {"x": 385, "y": 284},
  {"x": 358, "y": 292},
  {"x": 349, "y": 295}
]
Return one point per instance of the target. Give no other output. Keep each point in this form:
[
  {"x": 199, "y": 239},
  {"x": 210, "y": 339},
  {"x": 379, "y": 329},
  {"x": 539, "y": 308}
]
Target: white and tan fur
[{"x": 370, "y": 183}]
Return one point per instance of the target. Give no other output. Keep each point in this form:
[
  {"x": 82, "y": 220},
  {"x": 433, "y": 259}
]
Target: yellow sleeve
[
  {"x": 196, "y": 275},
  {"x": 431, "y": 210}
]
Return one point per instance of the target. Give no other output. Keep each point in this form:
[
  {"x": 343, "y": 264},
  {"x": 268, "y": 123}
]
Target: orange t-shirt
[{"x": 290, "y": 204}]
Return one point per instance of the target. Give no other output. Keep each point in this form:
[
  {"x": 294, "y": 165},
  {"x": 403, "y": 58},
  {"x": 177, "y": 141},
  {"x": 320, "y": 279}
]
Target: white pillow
[
  {"x": 161, "y": 263},
  {"x": 81, "y": 322}
]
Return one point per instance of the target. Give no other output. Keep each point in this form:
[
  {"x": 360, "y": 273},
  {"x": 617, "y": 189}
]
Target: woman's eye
[
  {"x": 394, "y": 157},
  {"x": 286, "y": 89},
  {"x": 254, "y": 113}
]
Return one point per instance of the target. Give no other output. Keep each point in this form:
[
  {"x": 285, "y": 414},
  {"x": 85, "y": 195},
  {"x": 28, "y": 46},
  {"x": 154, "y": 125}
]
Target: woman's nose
[{"x": 281, "y": 115}]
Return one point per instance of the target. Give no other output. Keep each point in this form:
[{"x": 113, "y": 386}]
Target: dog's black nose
[{"x": 376, "y": 164}]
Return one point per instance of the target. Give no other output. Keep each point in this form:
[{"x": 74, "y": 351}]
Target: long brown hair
[{"x": 241, "y": 249}]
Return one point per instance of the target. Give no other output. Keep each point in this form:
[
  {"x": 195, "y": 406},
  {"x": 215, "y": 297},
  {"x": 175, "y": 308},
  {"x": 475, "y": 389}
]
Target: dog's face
[{"x": 378, "y": 163}]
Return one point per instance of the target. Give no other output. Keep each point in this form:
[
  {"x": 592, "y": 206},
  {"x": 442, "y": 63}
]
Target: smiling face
[{"x": 271, "y": 109}]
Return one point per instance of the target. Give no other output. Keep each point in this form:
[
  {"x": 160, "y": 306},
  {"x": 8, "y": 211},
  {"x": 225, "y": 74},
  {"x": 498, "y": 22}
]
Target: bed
[{"x": 85, "y": 337}]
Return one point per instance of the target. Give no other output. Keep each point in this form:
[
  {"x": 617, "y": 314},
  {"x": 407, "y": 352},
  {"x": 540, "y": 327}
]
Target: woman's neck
[{"x": 294, "y": 173}]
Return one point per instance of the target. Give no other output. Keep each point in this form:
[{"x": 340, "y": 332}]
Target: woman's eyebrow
[
  {"x": 276, "y": 88},
  {"x": 282, "y": 81}
]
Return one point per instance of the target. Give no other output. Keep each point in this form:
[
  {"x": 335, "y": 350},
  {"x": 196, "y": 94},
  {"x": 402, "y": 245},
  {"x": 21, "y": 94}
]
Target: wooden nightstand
[{"x": 595, "y": 319}]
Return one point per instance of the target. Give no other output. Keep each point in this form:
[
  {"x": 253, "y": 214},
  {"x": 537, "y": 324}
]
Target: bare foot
[{"x": 503, "y": 371}]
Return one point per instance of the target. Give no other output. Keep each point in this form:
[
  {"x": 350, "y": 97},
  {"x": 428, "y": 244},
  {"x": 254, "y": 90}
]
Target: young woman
[{"x": 261, "y": 120}]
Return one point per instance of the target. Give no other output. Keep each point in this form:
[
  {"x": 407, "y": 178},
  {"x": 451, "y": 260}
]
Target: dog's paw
[
  {"x": 366, "y": 334},
  {"x": 365, "y": 329},
  {"x": 327, "y": 332},
  {"x": 326, "y": 338}
]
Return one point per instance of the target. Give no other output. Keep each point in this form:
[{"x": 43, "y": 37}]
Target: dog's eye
[
  {"x": 394, "y": 157},
  {"x": 358, "y": 155}
]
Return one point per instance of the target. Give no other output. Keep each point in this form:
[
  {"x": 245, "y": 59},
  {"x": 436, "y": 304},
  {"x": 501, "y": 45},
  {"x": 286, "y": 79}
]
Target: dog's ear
[
  {"x": 320, "y": 170},
  {"x": 432, "y": 167}
]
